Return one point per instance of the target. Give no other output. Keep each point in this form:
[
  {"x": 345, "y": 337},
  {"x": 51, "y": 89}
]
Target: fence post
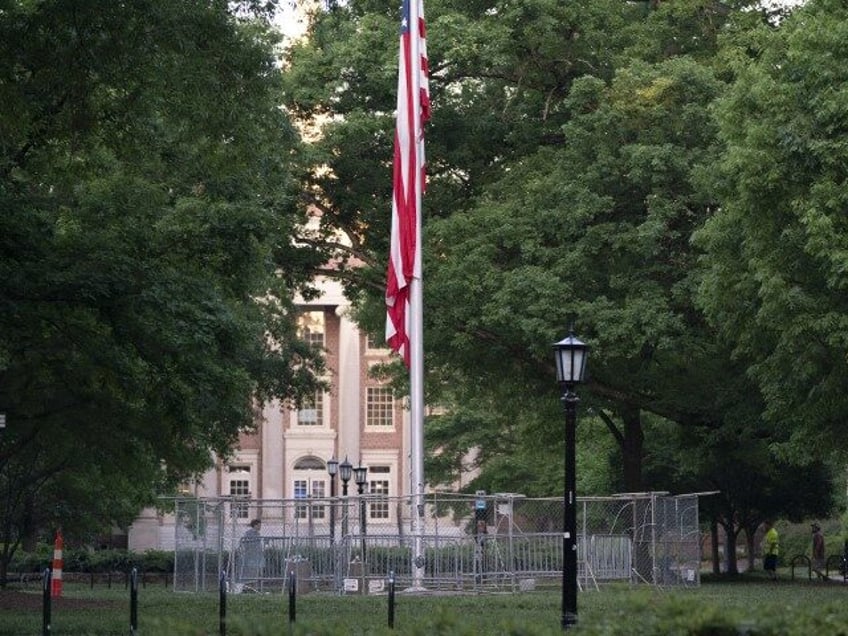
[
  {"x": 292, "y": 601},
  {"x": 222, "y": 603},
  {"x": 392, "y": 599},
  {"x": 46, "y": 584},
  {"x": 133, "y": 601}
]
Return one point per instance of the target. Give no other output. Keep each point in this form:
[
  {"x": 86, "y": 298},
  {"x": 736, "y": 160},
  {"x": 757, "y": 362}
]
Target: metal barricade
[{"x": 470, "y": 542}]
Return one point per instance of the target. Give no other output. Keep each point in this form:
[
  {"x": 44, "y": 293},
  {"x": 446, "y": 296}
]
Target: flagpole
[
  {"x": 416, "y": 339},
  {"x": 404, "y": 292},
  {"x": 416, "y": 416}
]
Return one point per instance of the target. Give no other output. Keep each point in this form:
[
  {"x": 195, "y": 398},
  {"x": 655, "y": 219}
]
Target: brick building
[{"x": 286, "y": 458}]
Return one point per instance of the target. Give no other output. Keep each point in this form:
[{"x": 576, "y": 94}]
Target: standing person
[
  {"x": 818, "y": 550},
  {"x": 252, "y": 554},
  {"x": 771, "y": 548}
]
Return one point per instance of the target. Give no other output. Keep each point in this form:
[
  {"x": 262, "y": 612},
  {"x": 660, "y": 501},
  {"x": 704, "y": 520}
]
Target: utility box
[
  {"x": 302, "y": 569},
  {"x": 354, "y": 582}
]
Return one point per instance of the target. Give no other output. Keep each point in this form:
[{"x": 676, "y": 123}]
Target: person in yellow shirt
[{"x": 771, "y": 549}]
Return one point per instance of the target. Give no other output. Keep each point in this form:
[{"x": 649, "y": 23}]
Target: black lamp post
[
  {"x": 360, "y": 475},
  {"x": 333, "y": 470},
  {"x": 345, "y": 471},
  {"x": 571, "y": 356}
]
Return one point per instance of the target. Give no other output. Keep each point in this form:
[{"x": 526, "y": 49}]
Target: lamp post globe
[
  {"x": 360, "y": 474},
  {"x": 345, "y": 471},
  {"x": 570, "y": 356}
]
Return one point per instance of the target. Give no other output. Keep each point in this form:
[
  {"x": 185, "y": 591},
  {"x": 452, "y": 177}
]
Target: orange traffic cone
[{"x": 58, "y": 563}]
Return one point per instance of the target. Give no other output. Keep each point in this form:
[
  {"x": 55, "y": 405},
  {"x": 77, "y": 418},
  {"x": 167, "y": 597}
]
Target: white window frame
[
  {"x": 239, "y": 490},
  {"x": 377, "y": 421},
  {"x": 310, "y": 484},
  {"x": 313, "y": 416},
  {"x": 378, "y": 502}
]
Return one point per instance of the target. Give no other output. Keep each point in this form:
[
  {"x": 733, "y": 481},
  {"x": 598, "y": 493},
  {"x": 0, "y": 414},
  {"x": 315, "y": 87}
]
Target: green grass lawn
[{"x": 749, "y": 605}]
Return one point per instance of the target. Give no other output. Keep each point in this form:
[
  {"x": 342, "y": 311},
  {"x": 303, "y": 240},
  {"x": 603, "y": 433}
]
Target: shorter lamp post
[
  {"x": 333, "y": 470},
  {"x": 345, "y": 471},
  {"x": 360, "y": 475},
  {"x": 571, "y": 356}
]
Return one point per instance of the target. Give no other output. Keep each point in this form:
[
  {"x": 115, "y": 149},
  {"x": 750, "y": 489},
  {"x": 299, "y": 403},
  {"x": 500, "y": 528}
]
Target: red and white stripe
[
  {"x": 413, "y": 111},
  {"x": 58, "y": 564}
]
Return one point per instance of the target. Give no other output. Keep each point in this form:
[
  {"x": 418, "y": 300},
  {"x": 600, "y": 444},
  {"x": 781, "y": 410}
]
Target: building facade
[{"x": 358, "y": 418}]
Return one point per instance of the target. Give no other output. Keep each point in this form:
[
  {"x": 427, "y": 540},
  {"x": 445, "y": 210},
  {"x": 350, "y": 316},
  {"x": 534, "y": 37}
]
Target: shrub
[
  {"x": 97, "y": 561},
  {"x": 157, "y": 561}
]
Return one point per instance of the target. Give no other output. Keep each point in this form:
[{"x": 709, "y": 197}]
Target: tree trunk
[
  {"x": 749, "y": 541},
  {"x": 631, "y": 449},
  {"x": 716, "y": 557},
  {"x": 4, "y": 563},
  {"x": 730, "y": 549}
]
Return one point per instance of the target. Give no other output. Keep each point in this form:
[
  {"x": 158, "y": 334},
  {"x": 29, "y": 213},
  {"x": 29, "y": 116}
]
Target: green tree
[
  {"x": 597, "y": 228},
  {"x": 776, "y": 257},
  {"x": 740, "y": 464},
  {"x": 518, "y": 129},
  {"x": 147, "y": 219}
]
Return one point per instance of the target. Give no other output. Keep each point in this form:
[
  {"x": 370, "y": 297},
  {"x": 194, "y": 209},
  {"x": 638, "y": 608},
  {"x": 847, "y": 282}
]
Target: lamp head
[
  {"x": 360, "y": 474},
  {"x": 345, "y": 470},
  {"x": 570, "y": 354}
]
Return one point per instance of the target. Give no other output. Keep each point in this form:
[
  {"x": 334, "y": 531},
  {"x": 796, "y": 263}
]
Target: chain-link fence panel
[
  {"x": 480, "y": 542},
  {"x": 199, "y": 550}
]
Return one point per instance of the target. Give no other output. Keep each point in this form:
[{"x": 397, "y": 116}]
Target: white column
[{"x": 349, "y": 387}]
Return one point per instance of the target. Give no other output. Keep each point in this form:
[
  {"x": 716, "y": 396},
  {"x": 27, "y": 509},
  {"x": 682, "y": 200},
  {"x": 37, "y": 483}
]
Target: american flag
[{"x": 413, "y": 111}]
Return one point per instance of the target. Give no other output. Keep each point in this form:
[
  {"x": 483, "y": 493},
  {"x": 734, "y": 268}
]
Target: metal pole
[
  {"x": 332, "y": 509},
  {"x": 45, "y": 601},
  {"x": 222, "y": 603},
  {"x": 133, "y": 601},
  {"x": 569, "y": 535},
  {"x": 416, "y": 327},
  {"x": 292, "y": 597},
  {"x": 344, "y": 510},
  {"x": 362, "y": 522},
  {"x": 392, "y": 599}
]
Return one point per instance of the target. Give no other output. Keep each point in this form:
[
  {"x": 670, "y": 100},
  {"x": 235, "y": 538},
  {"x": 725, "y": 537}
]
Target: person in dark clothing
[{"x": 818, "y": 551}]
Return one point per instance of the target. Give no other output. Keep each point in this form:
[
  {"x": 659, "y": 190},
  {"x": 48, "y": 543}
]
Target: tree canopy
[
  {"x": 776, "y": 254},
  {"x": 574, "y": 151},
  {"x": 147, "y": 222},
  {"x": 665, "y": 176}
]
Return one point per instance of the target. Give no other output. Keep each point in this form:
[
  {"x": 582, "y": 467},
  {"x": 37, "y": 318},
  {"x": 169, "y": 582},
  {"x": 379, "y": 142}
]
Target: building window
[
  {"x": 310, "y": 488},
  {"x": 379, "y": 505},
  {"x": 240, "y": 488},
  {"x": 311, "y": 411},
  {"x": 309, "y": 495},
  {"x": 318, "y": 492},
  {"x": 376, "y": 344},
  {"x": 311, "y": 328},
  {"x": 379, "y": 406},
  {"x": 301, "y": 490}
]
